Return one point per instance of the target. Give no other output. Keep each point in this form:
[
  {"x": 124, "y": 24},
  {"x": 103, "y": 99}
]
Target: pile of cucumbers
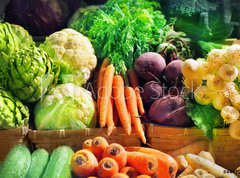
[{"x": 20, "y": 163}]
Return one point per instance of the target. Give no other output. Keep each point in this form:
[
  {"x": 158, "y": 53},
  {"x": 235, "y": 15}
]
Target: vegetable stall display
[
  {"x": 146, "y": 73},
  {"x": 104, "y": 160}
]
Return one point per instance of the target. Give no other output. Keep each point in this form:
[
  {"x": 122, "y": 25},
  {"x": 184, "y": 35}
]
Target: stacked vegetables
[
  {"x": 28, "y": 73},
  {"x": 98, "y": 158},
  {"x": 122, "y": 30},
  {"x": 115, "y": 100},
  {"x": 202, "y": 165},
  {"x": 214, "y": 82},
  {"x": 21, "y": 163},
  {"x": 13, "y": 112}
]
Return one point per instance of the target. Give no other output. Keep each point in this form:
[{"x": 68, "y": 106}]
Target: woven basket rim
[{"x": 152, "y": 128}]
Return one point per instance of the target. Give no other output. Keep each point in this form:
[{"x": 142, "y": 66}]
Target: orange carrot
[
  {"x": 107, "y": 167},
  {"x": 130, "y": 171},
  {"x": 135, "y": 84},
  {"x": 143, "y": 176},
  {"x": 119, "y": 175},
  {"x": 118, "y": 96},
  {"x": 110, "y": 122},
  {"x": 98, "y": 146},
  {"x": 115, "y": 115},
  {"x": 193, "y": 148},
  {"x": 106, "y": 94},
  {"x": 101, "y": 72},
  {"x": 118, "y": 153},
  {"x": 144, "y": 163},
  {"x": 133, "y": 110},
  {"x": 84, "y": 163},
  {"x": 167, "y": 165},
  {"x": 87, "y": 144}
]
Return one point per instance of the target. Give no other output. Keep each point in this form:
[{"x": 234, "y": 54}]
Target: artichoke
[
  {"x": 12, "y": 112},
  {"x": 66, "y": 106},
  {"x": 12, "y": 39},
  {"x": 30, "y": 73}
]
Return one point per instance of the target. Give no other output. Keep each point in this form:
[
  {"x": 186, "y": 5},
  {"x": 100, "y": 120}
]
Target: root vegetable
[
  {"x": 152, "y": 91},
  {"x": 171, "y": 111},
  {"x": 173, "y": 72},
  {"x": 196, "y": 161},
  {"x": 207, "y": 156},
  {"x": 150, "y": 65}
]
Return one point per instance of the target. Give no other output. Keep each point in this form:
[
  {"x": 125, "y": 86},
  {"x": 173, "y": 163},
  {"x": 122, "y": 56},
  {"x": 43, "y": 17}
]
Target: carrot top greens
[{"x": 124, "y": 29}]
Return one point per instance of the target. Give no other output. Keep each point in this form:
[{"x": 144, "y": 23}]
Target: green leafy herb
[
  {"x": 206, "y": 117},
  {"x": 124, "y": 29}
]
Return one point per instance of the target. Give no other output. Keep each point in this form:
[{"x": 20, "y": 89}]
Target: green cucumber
[
  {"x": 59, "y": 165},
  {"x": 17, "y": 163},
  {"x": 39, "y": 161}
]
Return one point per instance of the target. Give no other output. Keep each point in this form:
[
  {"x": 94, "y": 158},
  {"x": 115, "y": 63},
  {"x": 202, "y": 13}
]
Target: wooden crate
[
  {"x": 11, "y": 137},
  {"x": 225, "y": 149},
  {"x": 51, "y": 139}
]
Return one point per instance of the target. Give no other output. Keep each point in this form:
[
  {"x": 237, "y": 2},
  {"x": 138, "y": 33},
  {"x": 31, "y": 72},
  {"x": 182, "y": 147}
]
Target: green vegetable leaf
[
  {"x": 124, "y": 29},
  {"x": 206, "y": 117}
]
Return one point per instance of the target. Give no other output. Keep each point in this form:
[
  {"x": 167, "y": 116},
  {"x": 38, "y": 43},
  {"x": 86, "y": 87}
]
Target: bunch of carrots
[
  {"x": 100, "y": 159},
  {"x": 119, "y": 101}
]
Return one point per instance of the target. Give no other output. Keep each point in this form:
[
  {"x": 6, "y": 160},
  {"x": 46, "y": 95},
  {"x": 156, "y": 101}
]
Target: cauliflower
[{"x": 75, "y": 54}]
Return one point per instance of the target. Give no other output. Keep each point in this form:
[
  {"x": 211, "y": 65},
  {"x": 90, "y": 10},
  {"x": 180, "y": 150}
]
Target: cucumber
[
  {"x": 59, "y": 165},
  {"x": 17, "y": 163},
  {"x": 39, "y": 163}
]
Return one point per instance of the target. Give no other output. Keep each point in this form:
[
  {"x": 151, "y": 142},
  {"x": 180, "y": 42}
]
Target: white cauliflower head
[{"x": 75, "y": 54}]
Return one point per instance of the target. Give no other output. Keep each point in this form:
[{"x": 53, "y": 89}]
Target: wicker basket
[
  {"x": 225, "y": 149},
  {"x": 50, "y": 139},
  {"x": 11, "y": 137}
]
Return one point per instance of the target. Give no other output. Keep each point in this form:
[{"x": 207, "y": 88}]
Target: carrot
[
  {"x": 115, "y": 115},
  {"x": 110, "y": 122},
  {"x": 135, "y": 84},
  {"x": 133, "y": 110},
  {"x": 87, "y": 144},
  {"x": 101, "y": 73},
  {"x": 144, "y": 163},
  {"x": 118, "y": 95},
  {"x": 107, "y": 167},
  {"x": 84, "y": 163},
  {"x": 106, "y": 94},
  {"x": 120, "y": 175},
  {"x": 167, "y": 165},
  {"x": 143, "y": 176},
  {"x": 98, "y": 146},
  {"x": 130, "y": 171},
  {"x": 118, "y": 153},
  {"x": 194, "y": 148}
]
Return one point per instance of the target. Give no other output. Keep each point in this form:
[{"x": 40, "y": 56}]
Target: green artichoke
[
  {"x": 30, "y": 73},
  {"x": 12, "y": 38},
  {"x": 12, "y": 112}
]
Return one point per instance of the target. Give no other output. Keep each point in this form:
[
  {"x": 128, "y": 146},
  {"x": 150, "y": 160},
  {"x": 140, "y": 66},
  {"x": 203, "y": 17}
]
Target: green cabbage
[
  {"x": 67, "y": 106},
  {"x": 30, "y": 73},
  {"x": 12, "y": 112}
]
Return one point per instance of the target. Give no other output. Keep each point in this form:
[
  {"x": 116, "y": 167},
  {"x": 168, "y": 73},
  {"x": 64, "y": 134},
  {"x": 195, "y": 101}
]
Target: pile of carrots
[
  {"x": 118, "y": 101},
  {"x": 100, "y": 159}
]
